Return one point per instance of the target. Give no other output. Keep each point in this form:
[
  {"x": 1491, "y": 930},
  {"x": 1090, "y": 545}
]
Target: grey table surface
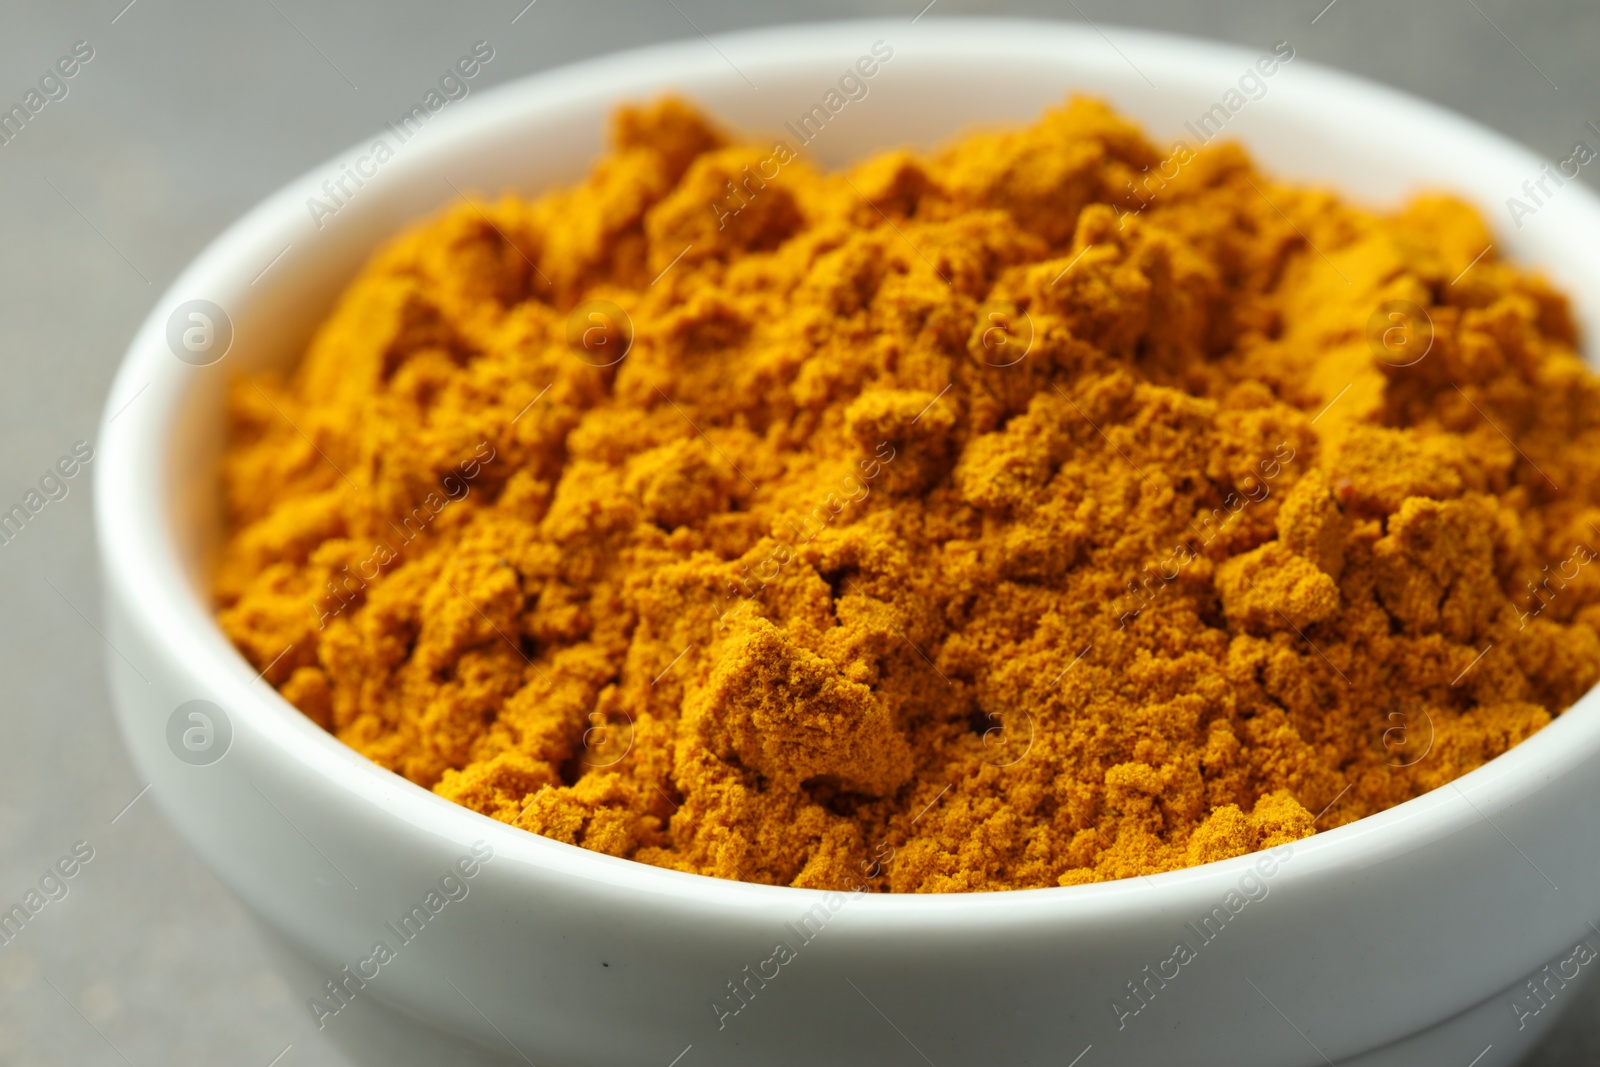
[{"x": 186, "y": 116}]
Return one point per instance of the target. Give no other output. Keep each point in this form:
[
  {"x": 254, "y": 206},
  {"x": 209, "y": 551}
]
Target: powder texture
[{"x": 1047, "y": 509}]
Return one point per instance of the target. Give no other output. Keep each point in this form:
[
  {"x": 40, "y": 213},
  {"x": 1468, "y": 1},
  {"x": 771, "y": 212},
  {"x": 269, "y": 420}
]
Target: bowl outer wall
[{"x": 1370, "y": 931}]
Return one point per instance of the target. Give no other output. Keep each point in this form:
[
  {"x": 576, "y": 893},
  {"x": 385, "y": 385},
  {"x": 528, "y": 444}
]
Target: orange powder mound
[{"x": 1044, "y": 510}]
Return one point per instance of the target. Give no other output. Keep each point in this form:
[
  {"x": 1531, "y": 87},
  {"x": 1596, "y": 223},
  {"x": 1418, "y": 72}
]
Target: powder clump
[{"x": 1006, "y": 516}]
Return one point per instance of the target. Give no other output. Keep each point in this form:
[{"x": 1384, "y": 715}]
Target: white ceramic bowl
[{"x": 1401, "y": 939}]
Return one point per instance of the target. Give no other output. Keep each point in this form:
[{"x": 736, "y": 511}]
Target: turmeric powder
[{"x": 1042, "y": 510}]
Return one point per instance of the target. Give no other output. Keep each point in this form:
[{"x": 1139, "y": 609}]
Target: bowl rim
[{"x": 144, "y": 574}]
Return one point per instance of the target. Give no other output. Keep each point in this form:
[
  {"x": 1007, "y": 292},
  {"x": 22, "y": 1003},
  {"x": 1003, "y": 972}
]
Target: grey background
[{"x": 189, "y": 114}]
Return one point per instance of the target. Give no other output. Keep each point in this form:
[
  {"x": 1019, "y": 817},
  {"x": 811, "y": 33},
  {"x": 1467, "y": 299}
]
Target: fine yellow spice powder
[{"x": 1044, "y": 510}]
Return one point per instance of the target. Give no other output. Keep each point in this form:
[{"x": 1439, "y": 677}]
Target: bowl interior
[{"x": 277, "y": 272}]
